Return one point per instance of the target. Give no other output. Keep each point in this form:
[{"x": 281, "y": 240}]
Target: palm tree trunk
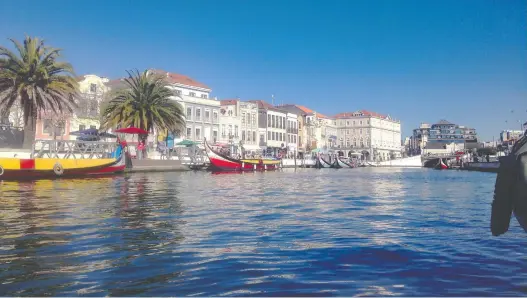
[{"x": 30, "y": 128}]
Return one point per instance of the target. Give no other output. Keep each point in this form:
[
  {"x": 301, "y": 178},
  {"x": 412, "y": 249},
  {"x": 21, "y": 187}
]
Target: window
[
  {"x": 177, "y": 92},
  {"x": 198, "y": 114},
  {"x": 215, "y": 135},
  {"x": 230, "y": 130},
  {"x": 347, "y": 142},
  {"x": 223, "y": 129},
  {"x": 354, "y": 142},
  {"x": 254, "y": 119},
  {"x": 243, "y": 118},
  {"x": 268, "y": 120},
  {"x": 272, "y": 121},
  {"x": 189, "y": 132},
  {"x": 189, "y": 113},
  {"x": 353, "y": 122},
  {"x": 262, "y": 138},
  {"x": 82, "y": 127},
  {"x": 93, "y": 88},
  {"x": 236, "y": 130},
  {"x": 230, "y": 113},
  {"x": 273, "y": 136},
  {"x": 207, "y": 115},
  {"x": 360, "y": 131},
  {"x": 92, "y": 127},
  {"x": 361, "y": 122},
  {"x": 248, "y": 119},
  {"x": 268, "y": 135},
  {"x": 347, "y": 123},
  {"x": 289, "y": 138},
  {"x": 204, "y": 96},
  {"x": 198, "y": 133},
  {"x": 215, "y": 116},
  {"x": 248, "y": 136},
  {"x": 243, "y": 135},
  {"x": 283, "y": 122},
  {"x": 347, "y": 131},
  {"x": 254, "y": 136},
  {"x": 193, "y": 94}
]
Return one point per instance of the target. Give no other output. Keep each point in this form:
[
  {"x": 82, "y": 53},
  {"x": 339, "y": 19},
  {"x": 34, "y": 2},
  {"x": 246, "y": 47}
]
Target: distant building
[
  {"x": 376, "y": 136},
  {"x": 239, "y": 125},
  {"x": 510, "y": 135},
  {"x": 272, "y": 128},
  {"x": 447, "y": 132},
  {"x": 201, "y": 112},
  {"x": 419, "y": 138},
  {"x": 315, "y": 130}
]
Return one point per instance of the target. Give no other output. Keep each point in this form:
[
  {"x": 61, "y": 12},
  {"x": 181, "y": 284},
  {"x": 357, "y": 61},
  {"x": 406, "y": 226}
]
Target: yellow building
[{"x": 87, "y": 115}]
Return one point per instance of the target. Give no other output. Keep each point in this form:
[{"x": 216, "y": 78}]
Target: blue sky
[{"x": 419, "y": 61}]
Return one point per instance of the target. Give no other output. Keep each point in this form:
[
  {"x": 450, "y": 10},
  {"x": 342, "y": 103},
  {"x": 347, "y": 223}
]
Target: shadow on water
[{"x": 374, "y": 232}]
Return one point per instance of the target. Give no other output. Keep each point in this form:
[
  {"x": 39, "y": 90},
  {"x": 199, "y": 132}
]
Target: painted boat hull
[
  {"x": 441, "y": 165},
  {"x": 50, "y": 168},
  {"x": 219, "y": 162},
  {"x": 321, "y": 163},
  {"x": 344, "y": 164}
]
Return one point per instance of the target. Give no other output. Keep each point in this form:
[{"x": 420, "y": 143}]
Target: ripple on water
[{"x": 363, "y": 232}]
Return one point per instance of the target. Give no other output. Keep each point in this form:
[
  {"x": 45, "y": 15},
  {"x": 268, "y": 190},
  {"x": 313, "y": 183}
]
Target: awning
[{"x": 251, "y": 147}]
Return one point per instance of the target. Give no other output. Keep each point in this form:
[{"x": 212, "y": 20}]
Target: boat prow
[{"x": 222, "y": 163}]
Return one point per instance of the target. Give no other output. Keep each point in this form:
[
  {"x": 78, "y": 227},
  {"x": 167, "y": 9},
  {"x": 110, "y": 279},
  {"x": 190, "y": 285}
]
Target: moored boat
[
  {"x": 344, "y": 164},
  {"x": 220, "y": 162},
  {"x": 321, "y": 163},
  {"x": 441, "y": 165},
  {"x": 45, "y": 168}
]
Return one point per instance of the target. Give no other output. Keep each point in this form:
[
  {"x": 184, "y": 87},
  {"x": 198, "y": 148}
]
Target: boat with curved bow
[{"x": 221, "y": 162}]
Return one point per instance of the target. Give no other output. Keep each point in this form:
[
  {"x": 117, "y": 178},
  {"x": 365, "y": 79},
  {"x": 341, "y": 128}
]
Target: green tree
[
  {"x": 145, "y": 102},
  {"x": 37, "y": 81}
]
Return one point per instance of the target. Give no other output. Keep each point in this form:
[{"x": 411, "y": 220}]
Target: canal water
[{"x": 292, "y": 233}]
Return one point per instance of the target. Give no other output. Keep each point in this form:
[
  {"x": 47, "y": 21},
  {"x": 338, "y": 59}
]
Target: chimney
[{"x": 167, "y": 75}]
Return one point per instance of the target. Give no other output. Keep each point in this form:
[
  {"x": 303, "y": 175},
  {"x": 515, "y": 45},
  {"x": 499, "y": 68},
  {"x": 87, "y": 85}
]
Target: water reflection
[{"x": 292, "y": 232}]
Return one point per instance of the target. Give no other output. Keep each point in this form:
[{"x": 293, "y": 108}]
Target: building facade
[
  {"x": 93, "y": 90},
  {"x": 230, "y": 123},
  {"x": 249, "y": 125},
  {"x": 376, "y": 136},
  {"x": 292, "y": 134},
  {"x": 447, "y": 132},
  {"x": 272, "y": 128},
  {"x": 201, "y": 112},
  {"x": 419, "y": 139}
]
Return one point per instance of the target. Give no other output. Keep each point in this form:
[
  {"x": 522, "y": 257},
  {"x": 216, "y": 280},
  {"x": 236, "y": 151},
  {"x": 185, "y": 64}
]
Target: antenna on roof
[{"x": 272, "y": 99}]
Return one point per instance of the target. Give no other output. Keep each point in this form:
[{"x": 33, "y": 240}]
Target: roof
[
  {"x": 443, "y": 121},
  {"x": 363, "y": 112},
  {"x": 175, "y": 78},
  {"x": 305, "y": 110},
  {"x": 262, "y": 104},
  {"x": 226, "y": 102}
]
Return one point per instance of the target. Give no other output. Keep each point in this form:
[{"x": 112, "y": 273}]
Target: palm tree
[
  {"x": 36, "y": 80},
  {"x": 145, "y": 103}
]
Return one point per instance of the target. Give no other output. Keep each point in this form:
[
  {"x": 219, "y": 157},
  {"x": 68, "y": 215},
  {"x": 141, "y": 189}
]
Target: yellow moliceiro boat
[{"x": 17, "y": 168}]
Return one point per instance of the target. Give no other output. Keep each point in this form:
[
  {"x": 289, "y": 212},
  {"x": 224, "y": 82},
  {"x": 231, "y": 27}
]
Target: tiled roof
[
  {"x": 175, "y": 78},
  {"x": 306, "y": 110},
  {"x": 262, "y": 104},
  {"x": 363, "y": 112},
  {"x": 226, "y": 102}
]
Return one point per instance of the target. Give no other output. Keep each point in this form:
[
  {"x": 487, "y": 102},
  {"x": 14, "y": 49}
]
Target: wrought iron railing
[{"x": 72, "y": 149}]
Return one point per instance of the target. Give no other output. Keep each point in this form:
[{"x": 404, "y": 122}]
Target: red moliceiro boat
[{"x": 220, "y": 162}]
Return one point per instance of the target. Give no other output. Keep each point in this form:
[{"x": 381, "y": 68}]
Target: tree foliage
[
  {"x": 37, "y": 81},
  {"x": 145, "y": 102}
]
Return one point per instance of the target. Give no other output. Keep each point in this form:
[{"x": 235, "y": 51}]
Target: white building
[
  {"x": 249, "y": 126},
  {"x": 230, "y": 123},
  {"x": 292, "y": 134},
  {"x": 273, "y": 120},
  {"x": 202, "y": 113},
  {"x": 377, "y": 136},
  {"x": 239, "y": 125}
]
